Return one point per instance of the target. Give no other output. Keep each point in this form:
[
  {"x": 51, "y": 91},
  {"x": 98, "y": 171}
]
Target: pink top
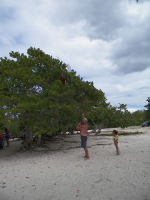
[{"x": 83, "y": 130}]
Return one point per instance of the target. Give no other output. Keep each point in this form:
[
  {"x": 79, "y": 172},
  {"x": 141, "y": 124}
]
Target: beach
[{"x": 59, "y": 172}]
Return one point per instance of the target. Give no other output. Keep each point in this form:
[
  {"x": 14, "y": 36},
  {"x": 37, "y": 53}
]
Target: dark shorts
[{"x": 83, "y": 141}]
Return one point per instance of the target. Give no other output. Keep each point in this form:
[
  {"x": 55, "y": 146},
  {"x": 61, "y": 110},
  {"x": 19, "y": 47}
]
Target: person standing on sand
[
  {"x": 83, "y": 133},
  {"x": 115, "y": 134},
  {"x": 7, "y": 136},
  {"x": 27, "y": 133}
]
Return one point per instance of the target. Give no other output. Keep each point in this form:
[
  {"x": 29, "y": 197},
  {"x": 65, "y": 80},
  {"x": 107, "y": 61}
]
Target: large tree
[{"x": 38, "y": 90}]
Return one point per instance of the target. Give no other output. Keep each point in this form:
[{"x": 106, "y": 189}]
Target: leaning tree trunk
[{"x": 98, "y": 127}]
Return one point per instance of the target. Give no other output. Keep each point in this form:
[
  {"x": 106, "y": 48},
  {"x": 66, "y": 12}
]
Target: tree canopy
[
  {"x": 147, "y": 111},
  {"x": 38, "y": 91}
]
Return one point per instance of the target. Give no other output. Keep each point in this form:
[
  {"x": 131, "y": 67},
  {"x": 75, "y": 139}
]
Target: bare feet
[{"x": 87, "y": 159}]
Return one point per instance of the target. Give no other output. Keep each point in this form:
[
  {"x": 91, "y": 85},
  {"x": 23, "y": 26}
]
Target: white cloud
[{"x": 134, "y": 109}]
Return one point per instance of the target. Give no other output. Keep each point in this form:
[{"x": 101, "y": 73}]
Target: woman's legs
[{"x": 86, "y": 153}]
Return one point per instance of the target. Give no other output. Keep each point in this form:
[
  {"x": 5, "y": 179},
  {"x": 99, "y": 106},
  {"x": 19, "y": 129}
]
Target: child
[
  {"x": 115, "y": 133},
  {"x": 7, "y": 136}
]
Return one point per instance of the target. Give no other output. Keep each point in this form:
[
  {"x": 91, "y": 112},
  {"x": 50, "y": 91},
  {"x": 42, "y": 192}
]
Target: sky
[{"x": 104, "y": 41}]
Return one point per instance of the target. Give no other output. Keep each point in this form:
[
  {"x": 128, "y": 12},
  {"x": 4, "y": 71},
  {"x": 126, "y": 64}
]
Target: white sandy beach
[{"x": 64, "y": 175}]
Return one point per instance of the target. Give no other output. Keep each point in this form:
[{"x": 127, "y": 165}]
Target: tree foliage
[
  {"x": 114, "y": 116},
  {"x": 32, "y": 90},
  {"x": 37, "y": 90},
  {"x": 147, "y": 111}
]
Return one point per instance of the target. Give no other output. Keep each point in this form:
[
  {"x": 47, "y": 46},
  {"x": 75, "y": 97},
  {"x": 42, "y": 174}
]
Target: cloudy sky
[{"x": 104, "y": 41}]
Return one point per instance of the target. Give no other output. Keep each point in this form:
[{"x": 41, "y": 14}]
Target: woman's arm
[{"x": 78, "y": 127}]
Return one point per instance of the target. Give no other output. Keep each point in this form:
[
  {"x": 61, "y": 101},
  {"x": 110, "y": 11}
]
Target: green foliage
[
  {"x": 106, "y": 115},
  {"x": 147, "y": 111},
  {"x": 33, "y": 93},
  {"x": 116, "y": 116},
  {"x": 138, "y": 118}
]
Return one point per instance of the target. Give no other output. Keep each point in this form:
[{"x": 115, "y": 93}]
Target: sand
[{"x": 62, "y": 174}]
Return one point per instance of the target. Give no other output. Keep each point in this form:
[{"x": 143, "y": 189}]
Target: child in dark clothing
[{"x": 7, "y": 136}]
